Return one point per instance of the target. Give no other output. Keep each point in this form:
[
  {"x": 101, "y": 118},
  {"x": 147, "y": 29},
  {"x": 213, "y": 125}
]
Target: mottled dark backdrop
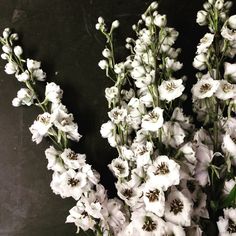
[{"x": 61, "y": 34}]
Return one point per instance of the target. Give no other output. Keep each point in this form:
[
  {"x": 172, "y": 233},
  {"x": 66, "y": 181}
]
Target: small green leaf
[{"x": 230, "y": 199}]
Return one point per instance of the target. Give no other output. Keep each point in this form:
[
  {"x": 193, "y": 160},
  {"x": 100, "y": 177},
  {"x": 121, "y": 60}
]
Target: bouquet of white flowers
[{"x": 175, "y": 173}]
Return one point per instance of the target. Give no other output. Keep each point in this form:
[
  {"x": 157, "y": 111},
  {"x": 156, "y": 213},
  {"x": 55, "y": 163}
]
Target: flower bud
[
  {"x": 219, "y": 4},
  {"x": 16, "y": 102},
  {"x": 206, "y": 6},
  {"x": 202, "y": 17},
  {"x": 148, "y": 21},
  {"x": 100, "y": 20},
  {"x": 154, "y": 5},
  {"x": 18, "y": 50},
  {"x": 106, "y": 53},
  {"x": 160, "y": 21},
  {"x": 6, "y": 33},
  {"x": 6, "y": 49},
  {"x": 103, "y": 64},
  {"x": 228, "y": 5},
  {"x": 115, "y": 24},
  {"x": 211, "y": 1},
  {"x": 4, "y": 56},
  {"x": 232, "y": 22},
  {"x": 14, "y": 36}
]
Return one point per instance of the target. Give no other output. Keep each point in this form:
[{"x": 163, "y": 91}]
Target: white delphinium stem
[
  {"x": 72, "y": 176},
  {"x": 142, "y": 126},
  {"x": 214, "y": 100}
]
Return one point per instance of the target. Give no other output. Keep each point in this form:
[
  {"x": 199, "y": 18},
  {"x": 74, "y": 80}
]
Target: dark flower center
[
  {"x": 73, "y": 182},
  {"x": 231, "y": 227},
  {"x": 72, "y": 155},
  {"x": 176, "y": 206},
  {"x": 153, "y": 195},
  {"x": 149, "y": 224},
  {"x": 205, "y": 87},
  {"x": 162, "y": 169},
  {"x": 128, "y": 193},
  {"x": 120, "y": 168}
]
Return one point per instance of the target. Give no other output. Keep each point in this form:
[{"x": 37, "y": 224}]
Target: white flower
[
  {"x": 108, "y": 129},
  {"x": 25, "y": 96},
  {"x": 232, "y": 22},
  {"x": 178, "y": 209},
  {"x": 54, "y": 161},
  {"x": 171, "y": 89},
  {"x": 111, "y": 94},
  {"x": 172, "y": 134},
  {"x": 73, "y": 160},
  {"x": 143, "y": 152},
  {"x": 128, "y": 192},
  {"x": 40, "y": 127},
  {"x": 160, "y": 20},
  {"x": 69, "y": 184},
  {"x": 11, "y": 68},
  {"x": 227, "y": 224},
  {"x": 153, "y": 121},
  {"x": 229, "y": 146},
  {"x": 230, "y": 71},
  {"x": 115, "y": 218},
  {"x": 16, "y": 102},
  {"x": 202, "y": 17},
  {"x": 204, "y": 156},
  {"x": 205, "y": 88},
  {"x": 172, "y": 64},
  {"x": 23, "y": 77},
  {"x": 200, "y": 61},
  {"x": 229, "y": 185},
  {"x": 228, "y": 34},
  {"x": 226, "y": 90},
  {"x": 119, "y": 167},
  {"x": 205, "y": 43},
  {"x": 189, "y": 153},
  {"x": 154, "y": 199},
  {"x": 147, "y": 224},
  {"x": 32, "y": 65},
  {"x": 164, "y": 172},
  {"x": 18, "y": 51},
  {"x": 64, "y": 122},
  {"x": 117, "y": 115},
  {"x": 39, "y": 74},
  {"x": 81, "y": 218},
  {"x": 53, "y": 93}
]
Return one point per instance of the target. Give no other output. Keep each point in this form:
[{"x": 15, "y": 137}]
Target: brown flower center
[
  {"x": 128, "y": 193},
  {"x": 149, "y": 224},
  {"x": 73, "y": 182},
  {"x": 153, "y": 195},
  {"x": 205, "y": 87},
  {"x": 231, "y": 227},
  {"x": 170, "y": 86},
  {"x": 162, "y": 169},
  {"x": 176, "y": 206}
]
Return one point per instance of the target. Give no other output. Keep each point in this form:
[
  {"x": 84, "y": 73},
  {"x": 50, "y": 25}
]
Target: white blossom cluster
[
  {"x": 156, "y": 159},
  {"x": 72, "y": 176},
  {"x": 214, "y": 97}
]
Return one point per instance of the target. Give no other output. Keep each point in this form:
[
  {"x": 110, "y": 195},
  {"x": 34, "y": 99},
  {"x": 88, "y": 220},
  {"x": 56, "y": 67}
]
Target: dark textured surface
[{"x": 61, "y": 34}]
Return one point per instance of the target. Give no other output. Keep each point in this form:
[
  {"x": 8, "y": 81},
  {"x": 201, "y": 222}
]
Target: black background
[{"x": 61, "y": 34}]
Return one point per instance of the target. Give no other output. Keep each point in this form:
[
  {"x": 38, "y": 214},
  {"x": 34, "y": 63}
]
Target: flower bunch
[
  {"x": 72, "y": 176},
  {"x": 156, "y": 156},
  {"x": 214, "y": 97}
]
